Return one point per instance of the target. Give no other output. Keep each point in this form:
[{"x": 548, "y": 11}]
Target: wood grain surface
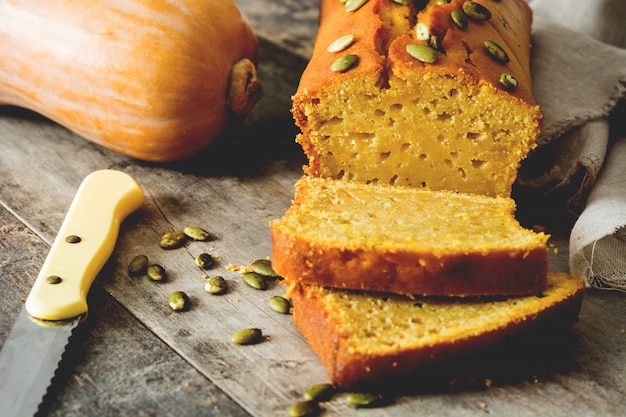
[{"x": 135, "y": 356}]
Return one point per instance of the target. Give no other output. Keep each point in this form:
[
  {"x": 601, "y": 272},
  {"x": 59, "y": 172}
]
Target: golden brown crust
[
  {"x": 465, "y": 52},
  {"x": 309, "y": 244},
  {"x": 509, "y": 26},
  {"x": 349, "y": 364},
  {"x": 495, "y": 273}
]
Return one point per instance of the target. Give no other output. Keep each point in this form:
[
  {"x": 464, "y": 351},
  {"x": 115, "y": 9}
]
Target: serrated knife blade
[{"x": 57, "y": 303}]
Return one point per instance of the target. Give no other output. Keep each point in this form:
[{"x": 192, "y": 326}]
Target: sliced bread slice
[
  {"x": 362, "y": 337},
  {"x": 405, "y": 240}
]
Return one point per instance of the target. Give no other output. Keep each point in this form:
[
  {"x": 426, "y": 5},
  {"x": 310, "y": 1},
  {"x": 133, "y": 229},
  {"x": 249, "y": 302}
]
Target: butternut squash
[{"x": 155, "y": 80}]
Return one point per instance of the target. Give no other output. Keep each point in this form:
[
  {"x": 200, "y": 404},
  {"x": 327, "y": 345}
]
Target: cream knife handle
[{"x": 83, "y": 245}]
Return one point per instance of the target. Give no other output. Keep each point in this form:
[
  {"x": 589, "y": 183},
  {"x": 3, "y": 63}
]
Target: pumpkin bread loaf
[
  {"x": 365, "y": 337},
  {"x": 406, "y": 240},
  {"x": 425, "y": 94}
]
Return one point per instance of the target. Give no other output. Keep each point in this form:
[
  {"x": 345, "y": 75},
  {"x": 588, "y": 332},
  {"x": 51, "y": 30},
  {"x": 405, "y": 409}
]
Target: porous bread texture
[
  {"x": 406, "y": 240},
  {"x": 363, "y": 337},
  {"x": 393, "y": 119}
]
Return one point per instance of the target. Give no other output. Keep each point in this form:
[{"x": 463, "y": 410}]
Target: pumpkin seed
[
  {"x": 215, "y": 285},
  {"x": 440, "y": 2},
  {"x": 304, "y": 409},
  {"x": 354, "y": 5},
  {"x": 496, "y": 51},
  {"x": 264, "y": 267},
  {"x": 156, "y": 272},
  {"x": 249, "y": 336},
  {"x": 344, "y": 63},
  {"x": 173, "y": 240},
  {"x": 319, "y": 392},
  {"x": 508, "y": 81},
  {"x": 280, "y": 304},
  {"x": 434, "y": 42},
  {"x": 403, "y": 2},
  {"x": 205, "y": 261},
  {"x": 341, "y": 43},
  {"x": 178, "y": 301},
  {"x": 476, "y": 11},
  {"x": 138, "y": 266},
  {"x": 459, "y": 18},
  {"x": 422, "y": 53},
  {"x": 255, "y": 280},
  {"x": 364, "y": 399},
  {"x": 422, "y": 31},
  {"x": 196, "y": 233}
]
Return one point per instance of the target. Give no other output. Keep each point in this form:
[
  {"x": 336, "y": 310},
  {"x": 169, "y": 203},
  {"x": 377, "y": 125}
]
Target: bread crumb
[
  {"x": 622, "y": 331},
  {"x": 488, "y": 382},
  {"x": 483, "y": 405},
  {"x": 241, "y": 269}
]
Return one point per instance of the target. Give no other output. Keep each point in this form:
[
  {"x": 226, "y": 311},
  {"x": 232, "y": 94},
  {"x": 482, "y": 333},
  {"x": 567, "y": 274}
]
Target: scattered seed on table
[
  {"x": 138, "y": 266},
  {"x": 156, "y": 272},
  {"x": 320, "y": 392},
  {"x": 280, "y": 304},
  {"x": 264, "y": 267},
  {"x": 255, "y": 280},
  {"x": 205, "y": 261},
  {"x": 248, "y": 336},
  {"x": 215, "y": 285},
  {"x": 364, "y": 399},
  {"x": 306, "y": 408},
  {"x": 173, "y": 240},
  {"x": 178, "y": 301},
  {"x": 196, "y": 233}
]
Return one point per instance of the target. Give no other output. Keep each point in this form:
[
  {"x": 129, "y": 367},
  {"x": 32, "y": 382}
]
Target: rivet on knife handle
[{"x": 83, "y": 245}]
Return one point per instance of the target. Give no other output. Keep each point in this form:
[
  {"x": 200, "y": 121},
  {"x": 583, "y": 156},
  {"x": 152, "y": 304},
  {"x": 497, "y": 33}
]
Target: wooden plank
[{"x": 233, "y": 189}]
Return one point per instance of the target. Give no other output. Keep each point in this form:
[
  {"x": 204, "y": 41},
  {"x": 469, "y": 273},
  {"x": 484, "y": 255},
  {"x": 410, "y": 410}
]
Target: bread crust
[
  {"x": 349, "y": 365},
  {"x": 497, "y": 272},
  {"x": 378, "y": 52}
]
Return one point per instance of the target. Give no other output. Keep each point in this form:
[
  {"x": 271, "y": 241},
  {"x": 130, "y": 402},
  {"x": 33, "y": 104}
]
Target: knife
[{"x": 57, "y": 303}]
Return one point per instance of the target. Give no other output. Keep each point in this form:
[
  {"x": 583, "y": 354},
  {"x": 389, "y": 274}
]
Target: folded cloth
[{"x": 576, "y": 178}]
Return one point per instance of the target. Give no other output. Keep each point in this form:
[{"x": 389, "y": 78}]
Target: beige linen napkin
[{"x": 577, "y": 176}]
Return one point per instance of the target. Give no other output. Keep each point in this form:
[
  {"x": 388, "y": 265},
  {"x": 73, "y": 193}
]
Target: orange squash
[{"x": 152, "y": 79}]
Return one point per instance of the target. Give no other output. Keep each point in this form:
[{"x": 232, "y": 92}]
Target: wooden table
[{"x": 137, "y": 357}]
